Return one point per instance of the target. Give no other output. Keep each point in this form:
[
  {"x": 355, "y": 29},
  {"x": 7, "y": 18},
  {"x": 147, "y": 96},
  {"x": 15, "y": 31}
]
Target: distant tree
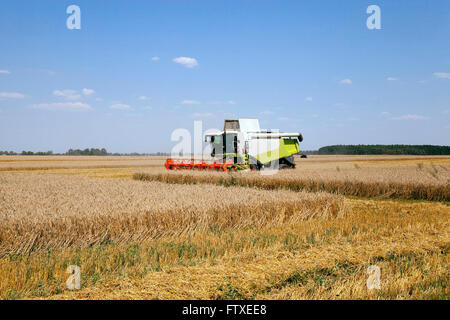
[
  {"x": 27, "y": 153},
  {"x": 87, "y": 152}
]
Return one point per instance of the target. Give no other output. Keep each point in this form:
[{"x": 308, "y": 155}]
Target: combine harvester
[{"x": 242, "y": 145}]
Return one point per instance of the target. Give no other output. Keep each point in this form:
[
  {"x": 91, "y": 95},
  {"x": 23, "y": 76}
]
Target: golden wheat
[
  {"x": 361, "y": 187},
  {"x": 154, "y": 240},
  {"x": 304, "y": 259},
  {"x": 50, "y": 211}
]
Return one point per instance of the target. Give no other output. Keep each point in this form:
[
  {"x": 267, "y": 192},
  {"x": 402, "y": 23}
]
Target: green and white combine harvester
[{"x": 243, "y": 145}]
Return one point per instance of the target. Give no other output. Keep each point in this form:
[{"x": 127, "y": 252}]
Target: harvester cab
[{"x": 243, "y": 145}]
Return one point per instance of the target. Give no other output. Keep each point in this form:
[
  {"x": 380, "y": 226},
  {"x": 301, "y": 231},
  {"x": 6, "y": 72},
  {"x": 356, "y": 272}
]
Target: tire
[{"x": 287, "y": 163}]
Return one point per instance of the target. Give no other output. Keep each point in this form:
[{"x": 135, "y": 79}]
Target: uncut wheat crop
[
  {"x": 50, "y": 211},
  {"x": 429, "y": 182}
]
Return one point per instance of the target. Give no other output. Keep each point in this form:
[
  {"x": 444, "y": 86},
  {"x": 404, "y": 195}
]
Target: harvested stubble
[
  {"x": 50, "y": 211},
  {"x": 302, "y": 260},
  {"x": 386, "y": 186}
]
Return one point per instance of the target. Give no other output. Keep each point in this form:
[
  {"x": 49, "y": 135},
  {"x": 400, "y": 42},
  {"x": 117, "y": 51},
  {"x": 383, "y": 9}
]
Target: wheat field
[
  {"x": 411, "y": 182},
  {"x": 63, "y": 212},
  {"x": 185, "y": 235}
]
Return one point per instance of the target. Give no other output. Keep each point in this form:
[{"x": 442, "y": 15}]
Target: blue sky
[{"x": 137, "y": 70}]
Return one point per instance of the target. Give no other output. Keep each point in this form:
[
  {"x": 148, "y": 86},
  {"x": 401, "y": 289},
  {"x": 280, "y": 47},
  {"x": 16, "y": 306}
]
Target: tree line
[
  {"x": 87, "y": 152},
  {"x": 374, "y": 149},
  {"x": 27, "y": 153},
  {"x": 81, "y": 152},
  {"x": 393, "y": 149}
]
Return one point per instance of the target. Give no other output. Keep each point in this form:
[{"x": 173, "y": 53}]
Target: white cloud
[
  {"x": 346, "y": 81},
  {"x": 121, "y": 106},
  {"x": 283, "y": 118},
  {"x": 442, "y": 75},
  {"x": 5, "y": 71},
  {"x": 62, "y": 106},
  {"x": 202, "y": 115},
  {"x": 49, "y": 72},
  {"x": 12, "y": 95},
  {"x": 155, "y": 58},
  {"x": 190, "y": 102},
  {"x": 267, "y": 112},
  {"x": 88, "y": 92},
  {"x": 410, "y": 117},
  {"x": 143, "y": 98},
  {"x": 186, "y": 61},
  {"x": 391, "y": 79},
  {"x": 216, "y": 102},
  {"x": 309, "y": 99},
  {"x": 147, "y": 108},
  {"x": 403, "y": 117},
  {"x": 68, "y": 94},
  {"x": 46, "y": 71}
]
